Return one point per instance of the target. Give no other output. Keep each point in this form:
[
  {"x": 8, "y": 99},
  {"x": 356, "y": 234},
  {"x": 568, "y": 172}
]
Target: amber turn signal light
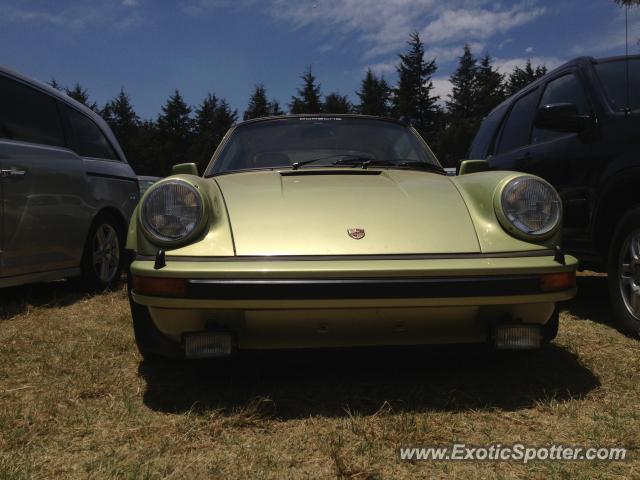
[
  {"x": 553, "y": 282},
  {"x": 159, "y": 287}
]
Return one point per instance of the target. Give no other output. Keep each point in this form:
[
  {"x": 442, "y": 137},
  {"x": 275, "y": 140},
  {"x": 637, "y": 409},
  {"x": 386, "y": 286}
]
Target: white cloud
[
  {"x": 504, "y": 43},
  {"x": 612, "y": 40},
  {"x": 478, "y": 23},
  {"x": 528, "y": 49},
  {"x": 382, "y": 68},
  {"x": 383, "y": 26},
  {"x": 446, "y": 54},
  {"x": 196, "y": 8},
  {"x": 18, "y": 15},
  {"x": 77, "y": 16},
  {"x": 506, "y": 65},
  {"x": 442, "y": 88}
]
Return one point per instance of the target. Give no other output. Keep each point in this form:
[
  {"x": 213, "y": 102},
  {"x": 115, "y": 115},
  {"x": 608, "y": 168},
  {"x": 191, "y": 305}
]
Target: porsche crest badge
[{"x": 356, "y": 233}]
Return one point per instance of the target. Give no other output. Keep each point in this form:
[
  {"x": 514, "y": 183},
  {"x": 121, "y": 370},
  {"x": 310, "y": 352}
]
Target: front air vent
[{"x": 302, "y": 173}]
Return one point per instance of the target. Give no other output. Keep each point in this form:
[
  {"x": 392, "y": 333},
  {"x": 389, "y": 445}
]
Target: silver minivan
[{"x": 67, "y": 190}]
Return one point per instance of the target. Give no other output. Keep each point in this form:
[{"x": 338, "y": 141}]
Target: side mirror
[
  {"x": 561, "y": 117},
  {"x": 472, "y": 166},
  {"x": 185, "y": 168}
]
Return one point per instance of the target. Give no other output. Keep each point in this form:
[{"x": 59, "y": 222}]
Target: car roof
[
  {"x": 321, "y": 116},
  {"x": 575, "y": 61},
  {"x": 63, "y": 97}
]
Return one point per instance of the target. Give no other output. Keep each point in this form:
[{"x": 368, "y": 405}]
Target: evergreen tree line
[{"x": 182, "y": 133}]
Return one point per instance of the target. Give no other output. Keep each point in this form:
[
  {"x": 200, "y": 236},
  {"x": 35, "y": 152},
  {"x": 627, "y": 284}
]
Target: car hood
[{"x": 309, "y": 212}]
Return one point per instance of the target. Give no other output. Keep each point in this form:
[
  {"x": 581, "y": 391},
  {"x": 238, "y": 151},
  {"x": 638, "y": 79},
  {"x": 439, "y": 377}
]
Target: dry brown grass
[{"x": 77, "y": 402}]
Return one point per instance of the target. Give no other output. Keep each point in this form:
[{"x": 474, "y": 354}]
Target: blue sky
[{"x": 151, "y": 47}]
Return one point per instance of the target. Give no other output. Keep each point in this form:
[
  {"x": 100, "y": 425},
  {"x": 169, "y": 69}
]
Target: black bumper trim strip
[
  {"x": 298, "y": 258},
  {"x": 357, "y": 288}
]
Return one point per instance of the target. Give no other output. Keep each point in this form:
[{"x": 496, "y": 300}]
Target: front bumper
[{"x": 275, "y": 303}]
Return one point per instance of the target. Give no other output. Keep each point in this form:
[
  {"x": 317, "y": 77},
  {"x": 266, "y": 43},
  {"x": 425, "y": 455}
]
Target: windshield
[{"x": 319, "y": 141}]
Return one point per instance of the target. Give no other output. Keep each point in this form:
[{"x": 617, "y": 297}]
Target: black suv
[{"x": 579, "y": 128}]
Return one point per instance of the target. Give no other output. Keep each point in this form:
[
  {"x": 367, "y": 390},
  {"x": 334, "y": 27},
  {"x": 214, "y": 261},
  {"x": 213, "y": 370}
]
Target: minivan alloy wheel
[
  {"x": 106, "y": 252},
  {"x": 629, "y": 273}
]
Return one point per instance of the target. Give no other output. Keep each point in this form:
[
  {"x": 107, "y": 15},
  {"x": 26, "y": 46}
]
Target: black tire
[
  {"x": 627, "y": 228},
  {"x": 93, "y": 277},
  {"x": 549, "y": 330}
]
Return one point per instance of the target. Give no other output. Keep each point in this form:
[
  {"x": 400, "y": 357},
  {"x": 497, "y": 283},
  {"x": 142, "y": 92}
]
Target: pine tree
[
  {"x": 54, "y": 83},
  {"x": 374, "y": 95},
  {"x": 81, "y": 95},
  {"x": 412, "y": 96},
  {"x": 204, "y": 141},
  {"x": 212, "y": 120},
  {"x": 521, "y": 77},
  {"x": 258, "y": 104},
  {"x": 462, "y": 109},
  {"x": 175, "y": 128},
  {"x": 125, "y": 123},
  {"x": 274, "y": 108},
  {"x": 224, "y": 118},
  {"x": 149, "y": 150},
  {"x": 462, "y": 101},
  {"x": 308, "y": 98},
  {"x": 490, "y": 84},
  {"x": 336, "y": 103}
]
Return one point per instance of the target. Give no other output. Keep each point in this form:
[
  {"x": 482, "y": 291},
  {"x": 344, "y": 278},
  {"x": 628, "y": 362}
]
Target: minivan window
[
  {"x": 516, "y": 131},
  {"x": 28, "y": 115},
  {"x": 565, "y": 89},
  {"x": 482, "y": 141},
  {"x": 89, "y": 139},
  {"x": 613, "y": 76}
]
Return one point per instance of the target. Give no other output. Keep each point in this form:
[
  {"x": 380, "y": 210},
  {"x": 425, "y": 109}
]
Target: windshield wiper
[
  {"x": 347, "y": 158},
  {"x": 369, "y": 162},
  {"x": 431, "y": 167}
]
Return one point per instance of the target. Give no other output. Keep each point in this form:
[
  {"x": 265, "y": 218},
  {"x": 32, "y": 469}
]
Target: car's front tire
[
  {"x": 624, "y": 273},
  {"x": 103, "y": 256}
]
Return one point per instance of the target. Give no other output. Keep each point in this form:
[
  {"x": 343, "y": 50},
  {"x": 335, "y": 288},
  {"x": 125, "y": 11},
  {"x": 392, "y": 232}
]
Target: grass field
[{"x": 76, "y": 401}]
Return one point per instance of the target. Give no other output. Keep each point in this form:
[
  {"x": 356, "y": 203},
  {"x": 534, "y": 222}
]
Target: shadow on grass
[
  {"x": 592, "y": 301},
  {"x": 18, "y": 300},
  {"x": 330, "y": 383}
]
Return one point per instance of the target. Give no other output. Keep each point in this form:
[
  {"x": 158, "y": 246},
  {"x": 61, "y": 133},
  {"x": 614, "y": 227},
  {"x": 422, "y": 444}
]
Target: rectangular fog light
[
  {"x": 517, "y": 337},
  {"x": 207, "y": 345}
]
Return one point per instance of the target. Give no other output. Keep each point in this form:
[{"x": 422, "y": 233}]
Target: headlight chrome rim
[
  {"x": 507, "y": 220},
  {"x": 164, "y": 240}
]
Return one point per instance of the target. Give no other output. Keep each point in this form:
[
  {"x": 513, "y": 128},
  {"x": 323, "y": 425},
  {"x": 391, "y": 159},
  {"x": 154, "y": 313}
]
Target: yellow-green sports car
[{"x": 334, "y": 231}]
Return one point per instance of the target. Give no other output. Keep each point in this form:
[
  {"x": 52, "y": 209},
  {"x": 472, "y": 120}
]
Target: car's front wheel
[
  {"x": 102, "y": 261},
  {"x": 624, "y": 272}
]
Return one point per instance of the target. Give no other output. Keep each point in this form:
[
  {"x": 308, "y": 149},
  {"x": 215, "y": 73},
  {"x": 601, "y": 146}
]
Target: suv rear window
[
  {"x": 516, "y": 130},
  {"x": 28, "y": 115},
  {"x": 484, "y": 138},
  {"x": 613, "y": 76},
  {"x": 89, "y": 139}
]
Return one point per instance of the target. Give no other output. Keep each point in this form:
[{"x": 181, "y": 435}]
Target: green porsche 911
[{"x": 335, "y": 231}]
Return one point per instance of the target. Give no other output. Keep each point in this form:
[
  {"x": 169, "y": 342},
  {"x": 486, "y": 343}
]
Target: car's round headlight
[
  {"x": 531, "y": 205},
  {"x": 171, "y": 211}
]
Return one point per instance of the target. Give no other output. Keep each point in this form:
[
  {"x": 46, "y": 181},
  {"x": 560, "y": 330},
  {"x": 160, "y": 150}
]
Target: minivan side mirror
[
  {"x": 185, "y": 168},
  {"x": 472, "y": 166},
  {"x": 561, "y": 117}
]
